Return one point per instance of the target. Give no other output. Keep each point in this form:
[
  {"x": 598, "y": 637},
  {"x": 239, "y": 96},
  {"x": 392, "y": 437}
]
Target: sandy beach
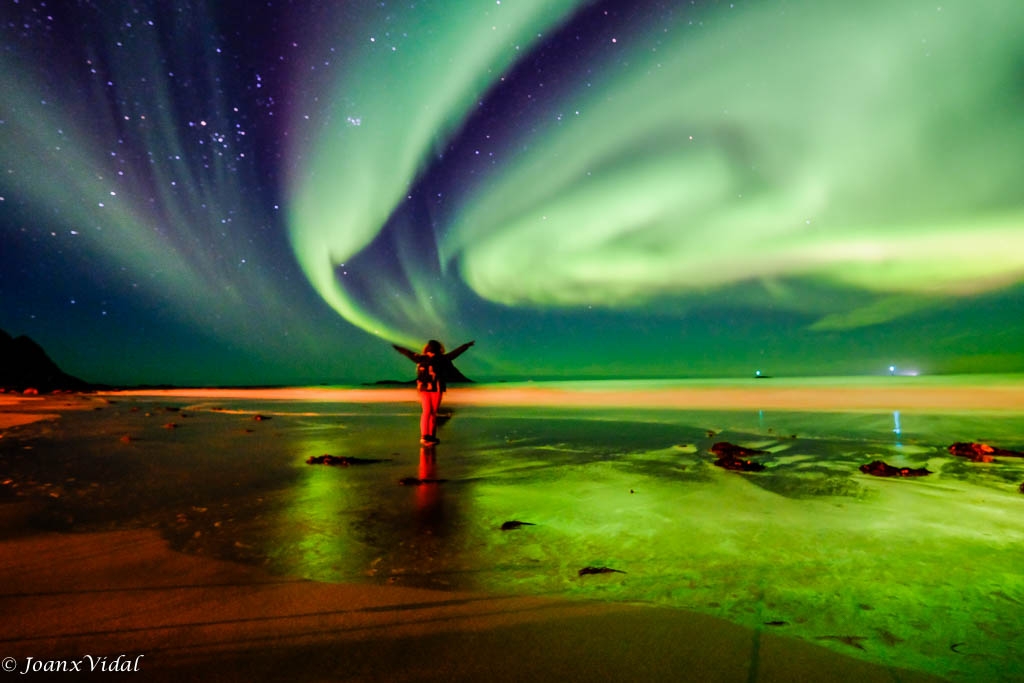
[
  {"x": 169, "y": 617},
  {"x": 81, "y": 595},
  {"x": 21, "y": 410}
]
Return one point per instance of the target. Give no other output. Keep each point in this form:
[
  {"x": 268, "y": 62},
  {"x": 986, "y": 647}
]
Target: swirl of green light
[
  {"x": 876, "y": 148},
  {"x": 405, "y": 87}
]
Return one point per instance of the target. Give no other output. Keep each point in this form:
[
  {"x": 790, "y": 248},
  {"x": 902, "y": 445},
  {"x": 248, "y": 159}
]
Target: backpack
[{"x": 427, "y": 376}]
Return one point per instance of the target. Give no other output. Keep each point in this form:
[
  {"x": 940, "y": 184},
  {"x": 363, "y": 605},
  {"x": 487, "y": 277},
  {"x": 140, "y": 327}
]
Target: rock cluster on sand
[
  {"x": 878, "y": 468},
  {"x": 981, "y": 452},
  {"x": 339, "y": 460},
  {"x": 733, "y": 457}
]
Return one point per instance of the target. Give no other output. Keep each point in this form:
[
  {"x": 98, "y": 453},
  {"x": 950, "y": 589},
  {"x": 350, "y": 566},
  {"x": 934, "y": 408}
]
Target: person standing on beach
[{"x": 433, "y": 367}]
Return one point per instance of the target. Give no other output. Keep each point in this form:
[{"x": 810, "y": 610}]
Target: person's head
[{"x": 434, "y": 347}]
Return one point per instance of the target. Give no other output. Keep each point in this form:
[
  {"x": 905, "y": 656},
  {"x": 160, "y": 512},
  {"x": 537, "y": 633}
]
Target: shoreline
[
  {"x": 819, "y": 395},
  {"x": 17, "y": 411},
  {"x": 182, "y": 617},
  {"x": 763, "y": 396}
]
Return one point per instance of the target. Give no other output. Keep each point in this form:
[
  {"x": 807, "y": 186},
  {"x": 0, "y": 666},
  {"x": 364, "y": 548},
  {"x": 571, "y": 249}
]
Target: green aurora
[
  {"x": 870, "y": 149},
  {"x": 588, "y": 189}
]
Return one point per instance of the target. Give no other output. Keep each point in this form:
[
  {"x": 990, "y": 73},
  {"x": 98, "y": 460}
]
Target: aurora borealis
[{"x": 273, "y": 192}]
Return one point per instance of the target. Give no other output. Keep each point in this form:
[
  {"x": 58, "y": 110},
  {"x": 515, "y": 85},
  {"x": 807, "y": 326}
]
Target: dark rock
[
  {"x": 724, "y": 448},
  {"x": 981, "y": 452},
  {"x": 599, "y": 570},
  {"x": 339, "y": 460},
  {"x": 877, "y": 468},
  {"x": 733, "y": 457},
  {"x": 739, "y": 465}
]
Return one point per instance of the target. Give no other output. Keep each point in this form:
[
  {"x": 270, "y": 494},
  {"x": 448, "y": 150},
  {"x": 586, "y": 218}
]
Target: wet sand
[
  {"x": 176, "y": 617},
  {"x": 22, "y": 410},
  {"x": 126, "y": 592}
]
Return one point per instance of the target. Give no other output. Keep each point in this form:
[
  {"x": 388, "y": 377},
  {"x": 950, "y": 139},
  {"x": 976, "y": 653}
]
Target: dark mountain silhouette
[
  {"x": 455, "y": 376},
  {"x": 24, "y": 365},
  {"x": 459, "y": 378}
]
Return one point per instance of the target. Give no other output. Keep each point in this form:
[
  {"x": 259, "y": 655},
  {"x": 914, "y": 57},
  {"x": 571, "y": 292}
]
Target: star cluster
[{"x": 232, "y": 192}]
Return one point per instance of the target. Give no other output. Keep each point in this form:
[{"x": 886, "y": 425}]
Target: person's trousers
[{"x": 431, "y": 401}]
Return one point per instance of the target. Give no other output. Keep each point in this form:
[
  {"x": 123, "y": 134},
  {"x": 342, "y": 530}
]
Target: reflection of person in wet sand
[
  {"x": 428, "y": 492},
  {"x": 433, "y": 368}
]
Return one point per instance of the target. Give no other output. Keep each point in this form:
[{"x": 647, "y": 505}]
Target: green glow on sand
[
  {"x": 875, "y": 148},
  {"x": 404, "y": 91}
]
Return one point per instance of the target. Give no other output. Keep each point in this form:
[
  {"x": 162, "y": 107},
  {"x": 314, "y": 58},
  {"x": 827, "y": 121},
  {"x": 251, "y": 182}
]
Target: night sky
[{"x": 273, "y": 191}]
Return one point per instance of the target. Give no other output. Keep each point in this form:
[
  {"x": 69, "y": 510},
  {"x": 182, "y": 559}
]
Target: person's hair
[{"x": 435, "y": 347}]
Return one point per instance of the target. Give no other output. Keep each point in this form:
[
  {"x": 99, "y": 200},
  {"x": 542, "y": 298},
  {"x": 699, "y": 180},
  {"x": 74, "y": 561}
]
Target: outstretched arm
[
  {"x": 455, "y": 353},
  {"x": 408, "y": 353}
]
